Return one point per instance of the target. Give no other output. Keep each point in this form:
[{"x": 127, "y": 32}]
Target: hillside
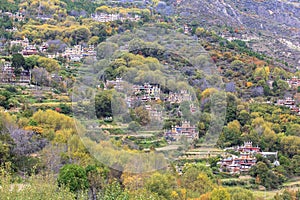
[
  {"x": 270, "y": 27},
  {"x": 149, "y": 100}
]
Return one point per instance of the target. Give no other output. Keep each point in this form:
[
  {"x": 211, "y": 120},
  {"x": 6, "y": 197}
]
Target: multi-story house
[
  {"x": 105, "y": 17},
  {"x": 23, "y": 43},
  {"x": 147, "y": 92},
  {"x": 179, "y": 97},
  {"x": 248, "y": 148},
  {"x": 294, "y": 82},
  {"x": 155, "y": 114},
  {"x": 118, "y": 84},
  {"x": 185, "y": 130},
  {"x": 7, "y": 75},
  {"x": 77, "y": 52},
  {"x": 30, "y": 50},
  {"x": 15, "y": 16},
  {"x": 193, "y": 108},
  {"x": 289, "y": 102}
]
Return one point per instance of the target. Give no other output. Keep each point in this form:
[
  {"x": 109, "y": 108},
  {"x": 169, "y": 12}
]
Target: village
[
  {"x": 242, "y": 163},
  {"x": 19, "y": 16},
  {"x": 106, "y": 17},
  {"x": 73, "y": 54},
  {"x": 236, "y": 160},
  {"x": 290, "y": 102},
  {"x": 146, "y": 99},
  {"x": 150, "y": 95}
]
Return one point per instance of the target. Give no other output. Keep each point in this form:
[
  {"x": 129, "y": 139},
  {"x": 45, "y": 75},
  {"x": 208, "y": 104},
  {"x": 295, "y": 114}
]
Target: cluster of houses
[
  {"x": 290, "y": 103},
  {"x": 23, "y": 43},
  {"x": 13, "y": 29},
  {"x": 184, "y": 130},
  {"x": 150, "y": 93},
  {"x": 155, "y": 113},
  {"x": 7, "y": 74},
  {"x": 14, "y": 16},
  {"x": 105, "y": 17},
  {"x": 30, "y": 50},
  {"x": 294, "y": 82},
  {"x": 27, "y": 48},
  {"x": 74, "y": 53},
  {"x": 118, "y": 84},
  {"x": 147, "y": 92},
  {"x": 245, "y": 160},
  {"x": 178, "y": 97},
  {"x": 186, "y": 29},
  {"x": 77, "y": 53}
]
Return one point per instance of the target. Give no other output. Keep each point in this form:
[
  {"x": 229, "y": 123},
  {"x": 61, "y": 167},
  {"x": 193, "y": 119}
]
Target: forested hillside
[{"x": 149, "y": 100}]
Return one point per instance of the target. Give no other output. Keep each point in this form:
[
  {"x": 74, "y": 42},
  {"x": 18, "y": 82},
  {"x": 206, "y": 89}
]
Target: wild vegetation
[{"x": 72, "y": 132}]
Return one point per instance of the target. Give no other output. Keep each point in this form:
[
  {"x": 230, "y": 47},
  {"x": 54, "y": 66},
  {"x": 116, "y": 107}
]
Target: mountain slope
[{"x": 270, "y": 27}]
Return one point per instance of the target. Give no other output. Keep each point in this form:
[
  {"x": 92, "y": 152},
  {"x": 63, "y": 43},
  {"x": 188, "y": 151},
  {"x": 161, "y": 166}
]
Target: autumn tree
[
  {"x": 200, "y": 31},
  {"x": 220, "y": 194},
  {"x": 231, "y": 134},
  {"x": 197, "y": 180},
  {"x": 113, "y": 191},
  {"x": 160, "y": 184},
  {"x": 141, "y": 115},
  {"x": 49, "y": 64},
  {"x": 290, "y": 145}
]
